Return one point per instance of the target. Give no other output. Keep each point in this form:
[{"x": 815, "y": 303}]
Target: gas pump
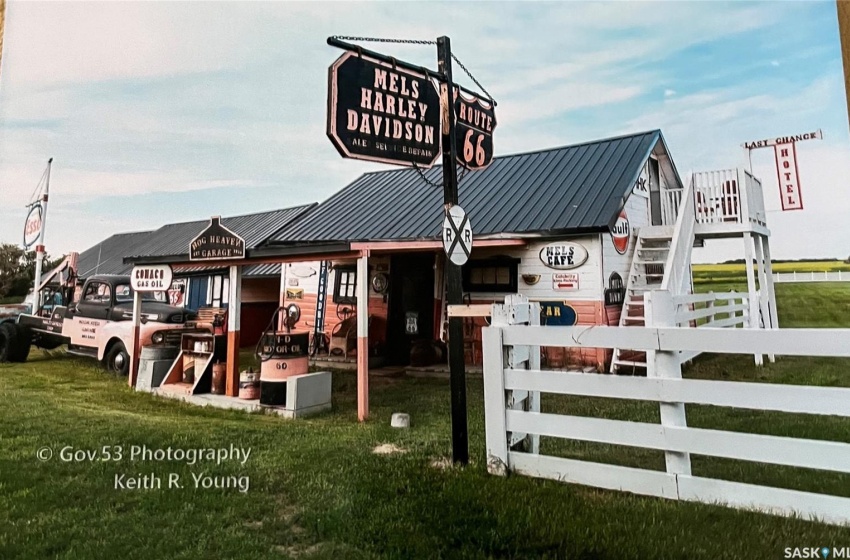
[{"x": 282, "y": 354}]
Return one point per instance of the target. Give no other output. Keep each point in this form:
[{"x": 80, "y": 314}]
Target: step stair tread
[{"x": 629, "y": 363}]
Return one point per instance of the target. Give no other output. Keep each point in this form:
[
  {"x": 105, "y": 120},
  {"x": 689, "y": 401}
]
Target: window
[
  {"x": 345, "y": 284},
  {"x": 124, "y": 293},
  {"x": 497, "y": 274},
  {"x": 97, "y": 292}
]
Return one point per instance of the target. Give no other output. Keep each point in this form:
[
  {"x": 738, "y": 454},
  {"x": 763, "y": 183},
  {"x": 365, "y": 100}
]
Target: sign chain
[
  {"x": 382, "y": 40},
  {"x": 471, "y": 77},
  {"x": 431, "y": 183},
  {"x": 416, "y": 42}
]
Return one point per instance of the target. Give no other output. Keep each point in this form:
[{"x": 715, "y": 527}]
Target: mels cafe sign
[{"x": 386, "y": 113}]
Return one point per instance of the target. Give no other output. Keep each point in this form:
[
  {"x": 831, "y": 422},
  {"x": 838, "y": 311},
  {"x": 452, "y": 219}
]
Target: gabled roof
[
  {"x": 107, "y": 257},
  {"x": 572, "y": 189},
  {"x": 173, "y": 239}
]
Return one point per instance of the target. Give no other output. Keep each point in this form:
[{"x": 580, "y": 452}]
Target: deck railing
[{"x": 728, "y": 196}]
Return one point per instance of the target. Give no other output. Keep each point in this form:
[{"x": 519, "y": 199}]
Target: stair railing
[{"x": 677, "y": 267}]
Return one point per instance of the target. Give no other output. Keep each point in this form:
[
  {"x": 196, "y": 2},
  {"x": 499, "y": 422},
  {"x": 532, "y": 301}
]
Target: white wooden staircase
[{"x": 661, "y": 260}]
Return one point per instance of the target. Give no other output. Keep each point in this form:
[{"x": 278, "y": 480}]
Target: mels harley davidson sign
[
  {"x": 380, "y": 113},
  {"x": 216, "y": 243}
]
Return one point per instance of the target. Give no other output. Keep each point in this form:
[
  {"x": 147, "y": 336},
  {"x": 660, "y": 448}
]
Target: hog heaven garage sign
[
  {"x": 216, "y": 243},
  {"x": 380, "y": 113}
]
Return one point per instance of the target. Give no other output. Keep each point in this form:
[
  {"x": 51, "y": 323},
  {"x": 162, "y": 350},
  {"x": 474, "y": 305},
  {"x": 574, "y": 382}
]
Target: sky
[{"x": 160, "y": 112}]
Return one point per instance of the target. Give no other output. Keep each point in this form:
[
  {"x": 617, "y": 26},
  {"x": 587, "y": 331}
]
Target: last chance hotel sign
[{"x": 380, "y": 113}]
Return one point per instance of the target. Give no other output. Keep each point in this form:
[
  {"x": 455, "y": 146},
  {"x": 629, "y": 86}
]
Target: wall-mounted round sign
[
  {"x": 151, "y": 278},
  {"x": 380, "y": 282},
  {"x": 563, "y": 255},
  {"x": 32, "y": 227},
  {"x": 621, "y": 232}
]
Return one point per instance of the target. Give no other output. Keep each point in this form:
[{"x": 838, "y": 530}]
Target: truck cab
[{"x": 98, "y": 324}]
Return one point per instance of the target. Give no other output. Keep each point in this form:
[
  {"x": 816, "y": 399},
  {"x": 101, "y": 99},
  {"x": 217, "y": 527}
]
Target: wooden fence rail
[{"x": 507, "y": 379}]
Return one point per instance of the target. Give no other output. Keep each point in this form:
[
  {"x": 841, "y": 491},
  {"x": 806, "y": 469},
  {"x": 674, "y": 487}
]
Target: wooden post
[
  {"x": 136, "y": 349},
  {"x": 751, "y": 288},
  {"x": 771, "y": 289},
  {"x": 660, "y": 311},
  {"x": 764, "y": 295},
  {"x": 494, "y": 401},
  {"x": 234, "y": 311},
  {"x": 363, "y": 337},
  {"x": 454, "y": 279}
]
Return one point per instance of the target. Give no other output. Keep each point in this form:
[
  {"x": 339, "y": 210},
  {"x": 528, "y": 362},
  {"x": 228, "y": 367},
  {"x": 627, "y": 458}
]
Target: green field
[
  {"x": 733, "y": 272},
  {"x": 317, "y": 490}
]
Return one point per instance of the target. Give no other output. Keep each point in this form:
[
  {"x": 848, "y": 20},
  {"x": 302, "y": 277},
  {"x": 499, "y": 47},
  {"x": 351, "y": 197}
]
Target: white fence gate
[{"x": 513, "y": 376}]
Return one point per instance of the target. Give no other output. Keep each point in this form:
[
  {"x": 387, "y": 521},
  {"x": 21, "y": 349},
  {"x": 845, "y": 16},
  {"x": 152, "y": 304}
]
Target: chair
[{"x": 344, "y": 337}]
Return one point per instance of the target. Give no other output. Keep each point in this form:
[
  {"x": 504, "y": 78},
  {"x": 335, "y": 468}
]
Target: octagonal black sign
[{"x": 380, "y": 113}]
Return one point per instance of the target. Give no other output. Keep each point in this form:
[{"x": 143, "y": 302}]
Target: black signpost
[
  {"x": 454, "y": 278},
  {"x": 387, "y": 110}
]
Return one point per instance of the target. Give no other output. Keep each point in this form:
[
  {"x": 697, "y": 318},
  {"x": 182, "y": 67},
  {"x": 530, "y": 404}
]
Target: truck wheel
[
  {"x": 118, "y": 359},
  {"x": 8, "y": 341},
  {"x": 21, "y": 350}
]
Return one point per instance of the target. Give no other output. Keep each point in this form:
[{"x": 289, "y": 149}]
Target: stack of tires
[{"x": 15, "y": 342}]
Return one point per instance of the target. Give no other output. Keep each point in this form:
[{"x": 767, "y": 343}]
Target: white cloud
[{"x": 135, "y": 98}]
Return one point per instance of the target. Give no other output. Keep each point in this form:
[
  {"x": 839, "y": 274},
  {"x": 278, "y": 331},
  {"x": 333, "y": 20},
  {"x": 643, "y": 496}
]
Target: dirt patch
[
  {"x": 442, "y": 463},
  {"x": 299, "y": 550},
  {"x": 388, "y": 449},
  {"x": 253, "y": 524}
]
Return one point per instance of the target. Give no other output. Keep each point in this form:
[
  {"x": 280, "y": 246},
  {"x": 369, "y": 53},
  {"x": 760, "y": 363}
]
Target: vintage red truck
[{"x": 98, "y": 325}]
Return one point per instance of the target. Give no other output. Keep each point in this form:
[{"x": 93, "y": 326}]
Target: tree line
[{"x": 17, "y": 271}]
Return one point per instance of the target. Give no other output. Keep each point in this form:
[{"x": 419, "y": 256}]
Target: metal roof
[
  {"x": 575, "y": 188},
  {"x": 248, "y": 271},
  {"x": 107, "y": 257},
  {"x": 174, "y": 239}
]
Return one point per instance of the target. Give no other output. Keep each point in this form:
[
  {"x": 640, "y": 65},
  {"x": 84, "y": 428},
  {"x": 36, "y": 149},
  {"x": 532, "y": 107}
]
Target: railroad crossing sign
[{"x": 457, "y": 235}]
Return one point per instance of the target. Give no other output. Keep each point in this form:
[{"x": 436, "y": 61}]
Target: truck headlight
[{"x": 158, "y": 338}]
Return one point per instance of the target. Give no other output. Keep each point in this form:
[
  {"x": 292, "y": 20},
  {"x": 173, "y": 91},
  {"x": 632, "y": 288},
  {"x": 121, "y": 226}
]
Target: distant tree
[{"x": 17, "y": 270}]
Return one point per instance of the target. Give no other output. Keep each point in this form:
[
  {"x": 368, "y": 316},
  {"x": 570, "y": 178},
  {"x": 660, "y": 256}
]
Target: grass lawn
[{"x": 317, "y": 490}]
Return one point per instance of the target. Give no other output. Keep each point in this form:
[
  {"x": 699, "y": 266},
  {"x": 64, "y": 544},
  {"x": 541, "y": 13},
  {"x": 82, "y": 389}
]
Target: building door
[
  {"x": 197, "y": 292},
  {"x": 655, "y": 217},
  {"x": 410, "y": 316}
]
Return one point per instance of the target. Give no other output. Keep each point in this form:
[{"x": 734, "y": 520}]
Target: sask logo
[{"x": 621, "y": 232}]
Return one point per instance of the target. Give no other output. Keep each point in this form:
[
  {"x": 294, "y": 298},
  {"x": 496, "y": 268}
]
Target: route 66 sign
[{"x": 475, "y": 120}]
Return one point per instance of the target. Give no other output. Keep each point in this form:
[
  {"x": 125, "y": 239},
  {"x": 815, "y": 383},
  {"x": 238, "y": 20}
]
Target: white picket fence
[
  {"x": 824, "y": 276},
  {"x": 513, "y": 383}
]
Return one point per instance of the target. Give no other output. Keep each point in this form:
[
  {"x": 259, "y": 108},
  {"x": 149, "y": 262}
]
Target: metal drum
[
  {"x": 154, "y": 363},
  {"x": 283, "y": 355}
]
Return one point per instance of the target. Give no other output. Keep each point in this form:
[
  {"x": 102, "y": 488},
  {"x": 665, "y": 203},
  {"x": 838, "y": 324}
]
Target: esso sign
[
  {"x": 151, "y": 278},
  {"x": 621, "y": 232},
  {"x": 32, "y": 228}
]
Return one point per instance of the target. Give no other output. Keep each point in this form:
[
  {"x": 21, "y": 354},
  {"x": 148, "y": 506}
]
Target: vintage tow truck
[{"x": 98, "y": 325}]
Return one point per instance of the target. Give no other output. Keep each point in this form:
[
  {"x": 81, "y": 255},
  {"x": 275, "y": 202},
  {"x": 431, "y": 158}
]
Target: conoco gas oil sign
[{"x": 621, "y": 232}]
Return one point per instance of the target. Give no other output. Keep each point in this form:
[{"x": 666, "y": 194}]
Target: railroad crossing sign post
[
  {"x": 454, "y": 289},
  {"x": 383, "y": 109}
]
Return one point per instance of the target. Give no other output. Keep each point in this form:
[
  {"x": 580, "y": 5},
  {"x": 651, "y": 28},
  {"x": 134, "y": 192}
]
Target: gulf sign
[
  {"x": 32, "y": 227},
  {"x": 563, "y": 256},
  {"x": 151, "y": 278},
  {"x": 621, "y": 232}
]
